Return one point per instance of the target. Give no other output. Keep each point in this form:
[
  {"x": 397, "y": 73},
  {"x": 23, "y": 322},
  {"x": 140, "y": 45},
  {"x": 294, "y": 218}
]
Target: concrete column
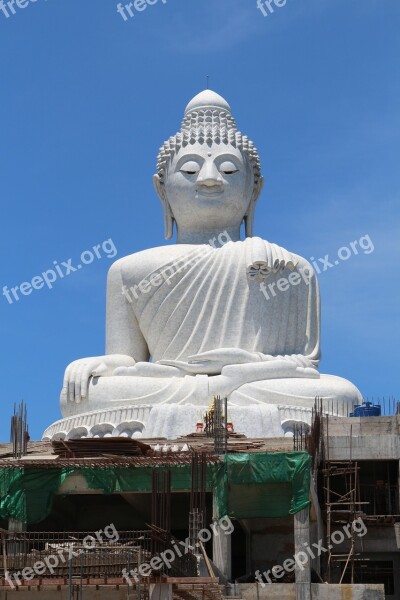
[
  {"x": 302, "y": 537},
  {"x": 222, "y": 547},
  {"x": 222, "y": 551}
]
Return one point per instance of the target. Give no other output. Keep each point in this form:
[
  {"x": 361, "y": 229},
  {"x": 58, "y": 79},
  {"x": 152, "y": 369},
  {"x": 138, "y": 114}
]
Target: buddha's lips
[{"x": 210, "y": 193}]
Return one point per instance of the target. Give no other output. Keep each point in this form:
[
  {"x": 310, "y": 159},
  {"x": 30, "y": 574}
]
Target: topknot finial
[{"x": 208, "y": 100}]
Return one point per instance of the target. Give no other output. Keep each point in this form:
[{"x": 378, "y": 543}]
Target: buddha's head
[{"x": 208, "y": 173}]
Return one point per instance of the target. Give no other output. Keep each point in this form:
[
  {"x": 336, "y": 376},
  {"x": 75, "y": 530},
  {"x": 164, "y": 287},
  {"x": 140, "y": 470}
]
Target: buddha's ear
[
  {"x": 167, "y": 212},
  {"x": 249, "y": 216},
  {"x": 158, "y": 186},
  {"x": 258, "y": 188}
]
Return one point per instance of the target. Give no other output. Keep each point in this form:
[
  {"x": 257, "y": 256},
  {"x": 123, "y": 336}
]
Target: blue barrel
[{"x": 367, "y": 409}]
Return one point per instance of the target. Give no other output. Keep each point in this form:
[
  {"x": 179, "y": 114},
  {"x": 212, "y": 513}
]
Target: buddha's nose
[{"x": 209, "y": 176}]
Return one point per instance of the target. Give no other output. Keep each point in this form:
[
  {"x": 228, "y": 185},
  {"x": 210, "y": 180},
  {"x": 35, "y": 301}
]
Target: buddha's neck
[{"x": 214, "y": 237}]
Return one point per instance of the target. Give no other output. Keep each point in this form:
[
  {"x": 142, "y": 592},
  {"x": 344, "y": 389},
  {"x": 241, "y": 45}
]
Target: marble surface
[{"x": 188, "y": 321}]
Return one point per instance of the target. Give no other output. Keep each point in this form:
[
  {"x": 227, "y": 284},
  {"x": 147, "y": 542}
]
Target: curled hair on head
[{"x": 210, "y": 126}]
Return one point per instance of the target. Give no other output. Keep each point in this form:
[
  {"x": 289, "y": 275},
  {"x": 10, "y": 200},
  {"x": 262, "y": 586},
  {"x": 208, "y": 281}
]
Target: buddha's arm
[
  {"x": 125, "y": 344},
  {"x": 123, "y": 335},
  {"x": 310, "y": 315},
  {"x": 306, "y": 335}
]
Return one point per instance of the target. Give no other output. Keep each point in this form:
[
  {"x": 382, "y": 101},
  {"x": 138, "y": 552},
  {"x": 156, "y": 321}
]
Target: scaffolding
[{"x": 343, "y": 506}]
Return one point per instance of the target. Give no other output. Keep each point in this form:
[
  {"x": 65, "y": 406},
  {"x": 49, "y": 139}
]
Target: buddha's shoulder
[
  {"x": 145, "y": 261},
  {"x": 302, "y": 263},
  {"x": 140, "y": 264},
  {"x": 298, "y": 261}
]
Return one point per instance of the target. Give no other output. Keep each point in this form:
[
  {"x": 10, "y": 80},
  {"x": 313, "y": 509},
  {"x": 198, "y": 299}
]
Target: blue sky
[{"x": 86, "y": 101}]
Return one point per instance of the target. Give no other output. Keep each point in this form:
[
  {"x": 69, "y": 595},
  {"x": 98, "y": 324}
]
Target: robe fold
[{"x": 243, "y": 295}]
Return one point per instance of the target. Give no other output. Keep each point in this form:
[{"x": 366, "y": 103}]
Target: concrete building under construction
[{"x": 206, "y": 516}]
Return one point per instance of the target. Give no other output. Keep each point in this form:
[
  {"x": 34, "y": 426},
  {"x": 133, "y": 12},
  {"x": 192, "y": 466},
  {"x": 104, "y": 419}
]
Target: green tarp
[
  {"x": 264, "y": 484},
  {"x": 27, "y": 494}
]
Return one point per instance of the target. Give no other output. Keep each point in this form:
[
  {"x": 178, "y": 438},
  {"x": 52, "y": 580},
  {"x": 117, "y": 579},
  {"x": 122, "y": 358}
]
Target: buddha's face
[{"x": 209, "y": 185}]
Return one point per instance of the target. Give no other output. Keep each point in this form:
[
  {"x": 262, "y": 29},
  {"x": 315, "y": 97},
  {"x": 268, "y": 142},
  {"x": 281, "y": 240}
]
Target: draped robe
[
  {"x": 250, "y": 295},
  {"x": 228, "y": 297}
]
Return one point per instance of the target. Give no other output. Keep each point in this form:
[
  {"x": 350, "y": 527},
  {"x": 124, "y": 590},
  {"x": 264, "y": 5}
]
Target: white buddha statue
[{"x": 212, "y": 314}]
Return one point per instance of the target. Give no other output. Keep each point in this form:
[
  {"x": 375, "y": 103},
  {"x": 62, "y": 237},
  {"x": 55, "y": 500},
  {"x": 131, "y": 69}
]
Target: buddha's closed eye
[
  {"x": 228, "y": 168},
  {"x": 190, "y": 168}
]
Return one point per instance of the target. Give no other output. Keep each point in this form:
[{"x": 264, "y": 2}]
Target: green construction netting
[{"x": 273, "y": 484}]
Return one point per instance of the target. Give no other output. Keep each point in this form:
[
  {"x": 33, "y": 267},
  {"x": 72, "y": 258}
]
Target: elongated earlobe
[
  {"x": 249, "y": 220},
  {"x": 168, "y": 220},
  {"x": 167, "y": 212},
  {"x": 249, "y": 216}
]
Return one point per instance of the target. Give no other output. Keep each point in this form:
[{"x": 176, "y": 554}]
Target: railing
[{"x": 85, "y": 555}]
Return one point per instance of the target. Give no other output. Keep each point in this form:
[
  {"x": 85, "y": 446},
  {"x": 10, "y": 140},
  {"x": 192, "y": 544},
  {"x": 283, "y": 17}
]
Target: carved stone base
[{"x": 171, "y": 421}]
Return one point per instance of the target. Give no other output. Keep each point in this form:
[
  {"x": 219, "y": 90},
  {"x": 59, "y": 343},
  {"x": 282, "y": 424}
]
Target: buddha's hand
[
  {"x": 145, "y": 369},
  {"x": 79, "y": 372},
  {"x": 213, "y": 361}
]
